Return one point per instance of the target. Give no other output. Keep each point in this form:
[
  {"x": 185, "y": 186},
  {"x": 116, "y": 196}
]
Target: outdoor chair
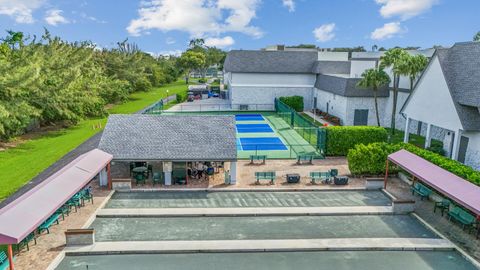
[
  {"x": 333, "y": 173},
  {"x": 139, "y": 178},
  {"x": 63, "y": 210},
  {"x": 157, "y": 178},
  {"x": 86, "y": 195},
  {"x": 45, "y": 226},
  {"x": 443, "y": 205}
]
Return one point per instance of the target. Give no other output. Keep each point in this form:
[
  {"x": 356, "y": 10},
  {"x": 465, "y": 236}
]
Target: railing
[{"x": 158, "y": 106}]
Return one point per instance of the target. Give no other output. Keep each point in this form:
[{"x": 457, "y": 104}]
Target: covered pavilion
[
  {"x": 463, "y": 192},
  {"x": 23, "y": 216}
]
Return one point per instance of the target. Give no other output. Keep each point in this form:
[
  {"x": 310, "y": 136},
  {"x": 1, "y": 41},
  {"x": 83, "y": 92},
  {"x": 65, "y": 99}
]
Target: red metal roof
[
  {"x": 448, "y": 184},
  {"x": 25, "y": 214}
]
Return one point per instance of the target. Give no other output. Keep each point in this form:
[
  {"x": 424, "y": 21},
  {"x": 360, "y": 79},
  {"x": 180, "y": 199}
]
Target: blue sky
[{"x": 161, "y": 26}]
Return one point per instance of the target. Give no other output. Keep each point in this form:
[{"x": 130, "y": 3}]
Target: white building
[{"x": 447, "y": 97}]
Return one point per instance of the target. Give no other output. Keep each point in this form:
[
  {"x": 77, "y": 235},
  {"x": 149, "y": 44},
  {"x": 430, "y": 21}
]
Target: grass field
[{"x": 20, "y": 164}]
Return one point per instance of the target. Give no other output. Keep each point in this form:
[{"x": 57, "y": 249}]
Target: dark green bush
[
  {"x": 294, "y": 102},
  {"x": 340, "y": 139},
  {"x": 202, "y": 80},
  {"x": 181, "y": 98},
  {"x": 370, "y": 160}
]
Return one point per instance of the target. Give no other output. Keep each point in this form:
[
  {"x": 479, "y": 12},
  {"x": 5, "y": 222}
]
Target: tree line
[{"x": 48, "y": 80}]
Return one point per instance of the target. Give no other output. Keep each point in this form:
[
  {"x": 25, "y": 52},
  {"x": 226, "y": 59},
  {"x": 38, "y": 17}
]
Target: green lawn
[{"x": 20, "y": 164}]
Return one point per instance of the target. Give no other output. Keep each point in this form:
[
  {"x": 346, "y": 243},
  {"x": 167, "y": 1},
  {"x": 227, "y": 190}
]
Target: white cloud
[
  {"x": 200, "y": 18},
  {"x": 220, "y": 42},
  {"x": 387, "y": 31},
  {"x": 324, "y": 32},
  {"x": 290, "y": 4},
  {"x": 91, "y": 18},
  {"x": 20, "y": 10},
  {"x": 405, "y": 9},
  {"x": 170, "y": 41},
  {"x": 54, "y": 17}
]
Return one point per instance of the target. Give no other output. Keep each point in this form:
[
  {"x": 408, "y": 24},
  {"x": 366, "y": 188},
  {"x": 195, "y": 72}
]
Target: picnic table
[{"x": 139, "y": 169}]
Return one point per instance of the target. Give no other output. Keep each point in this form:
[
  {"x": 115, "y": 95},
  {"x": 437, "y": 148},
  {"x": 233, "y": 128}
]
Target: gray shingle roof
[
  {"x": 170, "y": 137},
  {"x": 346, "y": 87},
  {"x": 331, "y": 67},
  {"x": 461, "y": 68},
  {"x": 270, "y": 61}
]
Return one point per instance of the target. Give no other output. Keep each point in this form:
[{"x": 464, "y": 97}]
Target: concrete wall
[
  {"x": 273, "y": 80},
  {"x": 333, "y": 56},
  {"x": 359, "y": 66},
  {"x": 267, "y": 95}
]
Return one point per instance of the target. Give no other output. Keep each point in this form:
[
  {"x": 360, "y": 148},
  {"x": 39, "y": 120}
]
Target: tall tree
[
  {"x": 477, "y": 36},
  {"x": 393, "y": 59},
  {"x": 415, "y": 66},
  {"x": 374, "y": 79},
  {"x": 191, "y": 60}
]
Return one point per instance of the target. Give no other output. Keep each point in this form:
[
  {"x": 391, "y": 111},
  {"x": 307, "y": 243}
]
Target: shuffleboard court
[
  {"x": 256, "y": 227},
  {"x": 321, "y": 260},
  {"x": 254, "y": 128},
  {"x": 202, "y": 199},
  {"x": 263, "y": 143},
  {"x": 249, "y": 117}
]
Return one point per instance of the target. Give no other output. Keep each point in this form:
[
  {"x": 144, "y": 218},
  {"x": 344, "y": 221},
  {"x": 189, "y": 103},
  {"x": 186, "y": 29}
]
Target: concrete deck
[
  {"x": 192, "y": 212},
  {"x": 148, "y": 247}
]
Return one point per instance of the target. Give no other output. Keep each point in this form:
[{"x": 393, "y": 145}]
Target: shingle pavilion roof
[{"x": 170, "y": 137}]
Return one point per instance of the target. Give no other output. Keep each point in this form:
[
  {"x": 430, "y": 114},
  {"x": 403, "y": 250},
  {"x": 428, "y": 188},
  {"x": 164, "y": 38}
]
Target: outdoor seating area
[
  {"x": 4, "y": 264},
  {"x": 316, "y": 177}
]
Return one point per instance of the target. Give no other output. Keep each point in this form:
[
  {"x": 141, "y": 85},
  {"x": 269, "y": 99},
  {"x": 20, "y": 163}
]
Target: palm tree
[
  {"x": 374, "y": 79},
  {"x": 415, "y": 65},
  {"x": 394, "y": 59},
  {"x": 477, "y": 37}
]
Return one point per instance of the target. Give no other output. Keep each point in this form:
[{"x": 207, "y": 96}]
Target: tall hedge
[
  {"x": 340, "y": 139},
  {"x": 370, "y": 160},
  {"x": 294, "y": 102}
]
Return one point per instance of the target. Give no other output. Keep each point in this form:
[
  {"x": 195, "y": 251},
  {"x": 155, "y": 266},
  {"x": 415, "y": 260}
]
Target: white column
[
  {"x": 233, "y": 172},
  {"x": 103, "y": 177},
  {"x": 456, "y": 144},
  {"x": 428, "y": 137},
  {"x": 167, "y": 171},
  {"x": 406, "y": 133}
]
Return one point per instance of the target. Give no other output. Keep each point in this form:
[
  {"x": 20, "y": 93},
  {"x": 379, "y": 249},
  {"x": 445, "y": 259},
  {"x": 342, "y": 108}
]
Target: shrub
[
  {"x": 340, "y": 139},
  {"x": 202, "y": 80},
  {"x": 180, "y": 98},
  {"x": 370, "y": 160},
  {"x": 294, "y": 102}
]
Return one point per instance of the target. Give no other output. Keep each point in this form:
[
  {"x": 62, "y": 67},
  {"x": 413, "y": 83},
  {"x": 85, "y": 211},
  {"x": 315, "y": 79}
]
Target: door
[
  {"x": 462, "y": 151},
  {"x": 360, "y": 118},
  {"x": 314, "y": 104}
]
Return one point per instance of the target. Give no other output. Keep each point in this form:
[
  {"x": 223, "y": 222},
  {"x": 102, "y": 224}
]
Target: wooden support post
[
  {"x": 10, "y": 257},
  {"x": 386, "y": 175},
  {"x": 109, "y": 177}
]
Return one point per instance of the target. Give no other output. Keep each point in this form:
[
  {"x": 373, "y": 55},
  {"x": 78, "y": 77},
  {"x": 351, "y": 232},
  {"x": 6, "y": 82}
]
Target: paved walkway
[
  {"x": 192, "y": 212},
  {"x": 262, "y": 245}
]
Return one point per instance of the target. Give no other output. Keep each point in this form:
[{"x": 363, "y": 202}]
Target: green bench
[
  {"x": 462, "y": 216},
  {"x": 254, "y": 158},
  {"x": 26, "y": 241},
  {"x": 421, "y": 190},
  {"x": 45, "y": 226},
  {"x": 4, "y": 264},
  {"x": 75, "y": 201},
  {"x": 305, "y": 158},
  {"x": 319, "y": 176},
  {"x": 64, "y": 210},
  {"x": 265, "y": 176}
]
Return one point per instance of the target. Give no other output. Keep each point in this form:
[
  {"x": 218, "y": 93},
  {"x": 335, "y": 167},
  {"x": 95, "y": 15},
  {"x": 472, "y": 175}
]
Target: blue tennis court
[
  {"x": 265, "y": 143},
  {"x": 249, "y": 117},
  {"x": 253, "y": 128}
]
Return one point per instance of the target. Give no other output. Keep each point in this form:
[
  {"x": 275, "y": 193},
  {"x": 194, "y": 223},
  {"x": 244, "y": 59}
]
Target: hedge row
[
  {"x": 370, "y": 160},
  {"x": 294, "y": 102},
  {"x": 340, "y": 139}
]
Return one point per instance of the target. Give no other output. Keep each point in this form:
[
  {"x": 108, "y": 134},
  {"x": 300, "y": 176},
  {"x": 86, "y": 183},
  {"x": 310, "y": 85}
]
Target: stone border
[
  {"x": 457, "y": 248},
  {"x": 279, "y": 189}
]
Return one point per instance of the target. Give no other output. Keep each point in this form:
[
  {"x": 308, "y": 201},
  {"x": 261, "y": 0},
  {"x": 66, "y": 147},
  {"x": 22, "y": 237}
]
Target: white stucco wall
[
  {"x": 337, "y": 105},
  {"x": 274, "y": 80},
  {"x": 431, "y": 101},
  {"x": 359, "y": 66},
  {"x": 333, "y": 56},
  {"x": 266, "y": 95}
]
